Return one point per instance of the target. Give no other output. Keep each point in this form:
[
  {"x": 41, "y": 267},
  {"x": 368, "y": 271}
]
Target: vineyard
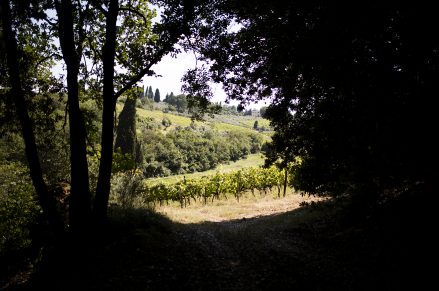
[{"x": 217, "y": 186}]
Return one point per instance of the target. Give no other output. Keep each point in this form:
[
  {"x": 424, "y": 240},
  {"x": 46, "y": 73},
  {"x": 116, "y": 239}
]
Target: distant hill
[{"x": 220, "y": 122}]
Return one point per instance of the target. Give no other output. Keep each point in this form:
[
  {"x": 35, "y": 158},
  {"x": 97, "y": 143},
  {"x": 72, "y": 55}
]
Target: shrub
[
  {"x": 18, "y": 208},
  {"x": 126, "y": 188},
  {"x": 166, "y": 122}
]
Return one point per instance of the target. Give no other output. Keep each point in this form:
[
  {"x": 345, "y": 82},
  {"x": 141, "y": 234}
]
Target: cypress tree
[
  {"x": 157, "y": 95},
  {"x": 126, "y": 129}
]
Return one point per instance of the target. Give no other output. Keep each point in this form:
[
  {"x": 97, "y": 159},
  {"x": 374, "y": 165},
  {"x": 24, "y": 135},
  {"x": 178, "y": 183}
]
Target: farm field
[
  {"x": 218, "y": 122},
  {"x": 249, "y": 206},
  {"x": 254, "y": 160}
]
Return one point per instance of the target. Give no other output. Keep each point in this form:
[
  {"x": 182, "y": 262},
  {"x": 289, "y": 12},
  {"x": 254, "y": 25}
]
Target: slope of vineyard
[
  {"x": 218, "y": 122},
  {"x": 205, "y": 189},
  {"x": 176, "y": 120},
  {"x": 243, "y": 121},
  {"x": 254, "y": 160}
]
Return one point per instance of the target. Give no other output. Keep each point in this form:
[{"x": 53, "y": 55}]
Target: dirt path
[
  {"x": 253, "y": 253},
  {"x": 272, "y": 248}
]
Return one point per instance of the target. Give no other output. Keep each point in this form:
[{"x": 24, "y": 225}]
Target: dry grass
[{"x": 223, "y": 210}]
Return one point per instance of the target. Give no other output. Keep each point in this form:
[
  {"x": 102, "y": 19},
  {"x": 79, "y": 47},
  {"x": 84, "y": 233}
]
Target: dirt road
[{"x": 292, "y": 249}]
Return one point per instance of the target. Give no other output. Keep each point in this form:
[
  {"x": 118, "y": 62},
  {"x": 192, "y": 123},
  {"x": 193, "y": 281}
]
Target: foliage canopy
[{"x": 352, "y": 86}]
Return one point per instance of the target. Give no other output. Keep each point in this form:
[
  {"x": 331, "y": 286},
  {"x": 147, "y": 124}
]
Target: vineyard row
[{"x": 216, "y": 186}]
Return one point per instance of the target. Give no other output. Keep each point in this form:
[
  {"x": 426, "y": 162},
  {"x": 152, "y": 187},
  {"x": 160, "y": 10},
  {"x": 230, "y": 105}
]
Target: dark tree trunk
[
  {"x": 285, "y": 182},
  {"x": 47, "y": 204},
  {"x": 80, "y": 200},
  {"x": 109, "y": 104}
]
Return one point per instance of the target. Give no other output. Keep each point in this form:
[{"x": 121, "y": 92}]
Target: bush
[
  {"x": 166, "y": 122},
  {"x": 18, "y": 208},
  {"x": 126, "y": 188},
  {"x": 155, "y": 169},
  {"x": 193, "y": 149}
]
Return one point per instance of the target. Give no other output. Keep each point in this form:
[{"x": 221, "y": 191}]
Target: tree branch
[
  {"x": 53, "y": 24},
  {"x": 46, "y": 58},
  {"x": 81, "y": 32},
  {"x": 167, "y": 47},
  {"x": 122, "y": 61},
  {"x": 92, "y": 147},
  {"x": 142, "y": 73},
  {"x": 99, "y": 7},
  {"x": 134, "y": 11},
  {"x": 97, "y": 53}
]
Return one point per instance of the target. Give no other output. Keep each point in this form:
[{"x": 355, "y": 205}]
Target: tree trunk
[
  {"x": 285, "y": 181},
  {"x": 109, "y": 105},
  {"x": 80, "y": 200},
  {"x": 47, "y": 204}
]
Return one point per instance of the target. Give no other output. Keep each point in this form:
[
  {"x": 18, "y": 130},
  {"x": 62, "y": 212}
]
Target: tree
[
  {"x": 255, "y": 125},
  {"x": 71, "y": 42},
  {"x": 157, "y": 95},
  {"x": 136, "y": 21},
  {"x": 150, "y": 94},
  {"x": 180, "y": 103},
  {"x": 262, "y": 111},
  {"x": 141, "y": 92},
  {"x": 90, "y": 36},
  {"x": 351, "y": 97},
  {"x": 126, "y": 138},
  {"x": 8, "y": 40}
]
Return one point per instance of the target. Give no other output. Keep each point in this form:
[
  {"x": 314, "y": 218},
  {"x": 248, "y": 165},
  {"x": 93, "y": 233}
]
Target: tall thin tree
[
  {"x": 157, "y": 95},
  {"x": 71, "y": 47}
]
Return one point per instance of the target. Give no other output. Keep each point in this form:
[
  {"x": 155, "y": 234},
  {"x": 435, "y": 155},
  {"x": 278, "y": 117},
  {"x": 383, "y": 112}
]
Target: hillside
[
  {"x": 171, "y": 143},
  {"x": 219, "y": 122},
  {"x": 254, "y": 160}
]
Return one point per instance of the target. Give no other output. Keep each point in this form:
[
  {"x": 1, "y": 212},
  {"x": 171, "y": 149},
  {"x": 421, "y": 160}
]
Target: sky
[{"x": 171, "y": 70}]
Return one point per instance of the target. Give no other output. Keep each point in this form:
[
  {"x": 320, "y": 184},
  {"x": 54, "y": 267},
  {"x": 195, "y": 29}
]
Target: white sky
[{"x": 172, "y": 70}]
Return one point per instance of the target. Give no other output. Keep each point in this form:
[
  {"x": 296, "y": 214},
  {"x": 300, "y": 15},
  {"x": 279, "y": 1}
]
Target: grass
[
  {"x": 222, "y": 126},
  {"x": 253, "y": 160},
  {"x": 249, "y": 206},
  {"x": 176, "y": 120},
  {"x": 243, "y": 121},
  {"x": 221, "y": 123}
]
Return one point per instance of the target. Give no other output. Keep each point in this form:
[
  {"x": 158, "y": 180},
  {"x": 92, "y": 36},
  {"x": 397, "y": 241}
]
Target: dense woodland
[{"x": 352, "y": 89}]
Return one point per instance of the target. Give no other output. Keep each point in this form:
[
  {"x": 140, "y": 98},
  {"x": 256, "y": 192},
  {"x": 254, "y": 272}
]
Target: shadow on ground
[{"x": 317, "y": 247}]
